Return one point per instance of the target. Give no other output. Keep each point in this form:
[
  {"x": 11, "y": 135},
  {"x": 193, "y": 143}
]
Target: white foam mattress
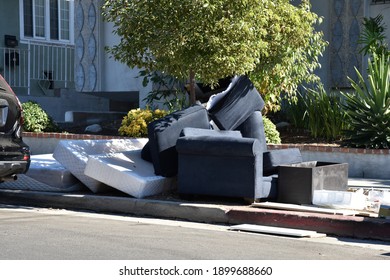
[
  {"x": 127, "y": 172},
  {"x": 73, "y": 154},
  {"x": 27, "y": 183},
  {"x": 46, "y": 169}
]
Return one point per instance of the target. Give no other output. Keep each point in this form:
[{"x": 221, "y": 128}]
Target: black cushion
[
  {"x": 145, "y": 153},
  {"x": 273, "y": 158},
  {"x": 269, "y": 188},
  {"x": 253, "y": 127},
  {"x": 236, "y": 104},
  {"x": 163, "y": 134},
  {"x": 203, "y": 91}
]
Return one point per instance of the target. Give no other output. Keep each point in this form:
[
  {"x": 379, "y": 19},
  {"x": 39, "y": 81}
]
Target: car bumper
[{"x": 8, "y": 169}]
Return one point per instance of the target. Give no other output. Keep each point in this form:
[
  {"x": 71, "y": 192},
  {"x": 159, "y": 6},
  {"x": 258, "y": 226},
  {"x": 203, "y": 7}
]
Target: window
[{"x": 49, "y": 20}]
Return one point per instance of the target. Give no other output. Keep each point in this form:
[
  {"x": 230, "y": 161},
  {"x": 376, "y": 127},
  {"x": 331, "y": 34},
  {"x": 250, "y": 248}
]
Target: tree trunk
[{"x": 192, "y": 87}]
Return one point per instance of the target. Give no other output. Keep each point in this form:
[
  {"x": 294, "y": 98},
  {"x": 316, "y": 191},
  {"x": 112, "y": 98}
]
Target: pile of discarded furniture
[
  {"x": 220, "y": 149},
  {"x": 214, "y": 150}
]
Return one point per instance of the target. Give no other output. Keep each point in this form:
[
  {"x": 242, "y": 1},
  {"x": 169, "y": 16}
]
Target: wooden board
[
  {"x": 302, "y": 208},
  {"x": 277, "y": 230},
  {"x": 313, "y": 209}
]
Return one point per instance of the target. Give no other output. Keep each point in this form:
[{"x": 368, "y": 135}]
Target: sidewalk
[{"x": 209, "y": 212}]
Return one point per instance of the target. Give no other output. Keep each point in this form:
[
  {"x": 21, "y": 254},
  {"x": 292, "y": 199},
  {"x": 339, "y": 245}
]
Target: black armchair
[{"x": 220, "y": 165}]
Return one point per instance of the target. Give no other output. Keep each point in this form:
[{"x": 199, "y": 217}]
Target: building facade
[{"x": 342, "y": 24}]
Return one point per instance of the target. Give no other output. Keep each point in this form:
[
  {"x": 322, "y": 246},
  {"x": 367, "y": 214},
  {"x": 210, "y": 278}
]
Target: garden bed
[{"x": 300, "y": 136}]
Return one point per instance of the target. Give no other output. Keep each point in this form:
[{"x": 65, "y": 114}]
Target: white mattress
[
  {"x": 46, "y": 169},
  {"x": 127, "y": 172},
  {"x": 27, "y": 183},
  {"x": 73, "y": 154}
]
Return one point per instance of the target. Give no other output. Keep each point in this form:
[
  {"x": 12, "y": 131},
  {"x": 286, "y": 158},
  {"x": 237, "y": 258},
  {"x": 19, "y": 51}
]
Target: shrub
[
  {"x": 136, "y": 122},
  {"x": 272, "y": 135},
  {"x": 368, "y": 107},
  {"x": 318, "y": 112},
  {"x": 295, "y": 112},
  {"x": 36, "y": 119},
  {"x": 325, "y": 117}
]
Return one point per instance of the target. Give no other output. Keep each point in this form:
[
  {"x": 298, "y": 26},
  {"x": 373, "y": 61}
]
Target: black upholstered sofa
[{"x": 219, "y": 150}]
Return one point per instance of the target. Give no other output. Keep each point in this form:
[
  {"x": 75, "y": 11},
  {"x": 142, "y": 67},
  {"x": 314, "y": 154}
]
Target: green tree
[
  {"x": 206, "y": 40},
  {"x": 292, "y": 55}
]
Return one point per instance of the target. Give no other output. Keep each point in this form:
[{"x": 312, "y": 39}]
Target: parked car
[{"x": 14, "y": 153}]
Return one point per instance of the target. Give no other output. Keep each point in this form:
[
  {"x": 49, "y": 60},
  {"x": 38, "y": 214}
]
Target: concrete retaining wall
[
  {"x": 40, "y": 146},
  {"x": 374, "y": 166},
  {"x": 45, "y": 143},
  {"x": 362, "y": 163}
]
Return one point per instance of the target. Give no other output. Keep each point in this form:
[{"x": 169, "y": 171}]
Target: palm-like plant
[
  {"x": 368, "y": 108},
  {"x": 373, "y": 38}
]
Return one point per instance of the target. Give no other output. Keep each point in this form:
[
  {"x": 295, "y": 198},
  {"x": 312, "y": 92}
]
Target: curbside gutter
[{"x": 343, "y": 226}]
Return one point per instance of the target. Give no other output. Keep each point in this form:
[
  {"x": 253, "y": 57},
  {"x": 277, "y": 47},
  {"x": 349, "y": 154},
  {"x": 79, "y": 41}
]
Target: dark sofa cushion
[
  {"x": 253, "y": 127},
  {"x": 272, "y": 159},
  {"x": 163, "y": 134},
  {"x": 235, "y": 104},
  {"x": 145, "y": 153},
  {"x": 269, "y": 189}
]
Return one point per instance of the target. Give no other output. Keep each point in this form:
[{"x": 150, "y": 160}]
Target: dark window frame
[{"x": 56, "y": 29}]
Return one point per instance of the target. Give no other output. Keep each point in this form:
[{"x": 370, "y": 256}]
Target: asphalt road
[{"x": 49, "y": 234}]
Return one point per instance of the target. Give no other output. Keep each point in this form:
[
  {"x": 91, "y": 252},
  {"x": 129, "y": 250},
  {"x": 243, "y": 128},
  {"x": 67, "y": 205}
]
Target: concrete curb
[
  {"x": 345, "y": 226},
  {"x": 122, "y": 205}
]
